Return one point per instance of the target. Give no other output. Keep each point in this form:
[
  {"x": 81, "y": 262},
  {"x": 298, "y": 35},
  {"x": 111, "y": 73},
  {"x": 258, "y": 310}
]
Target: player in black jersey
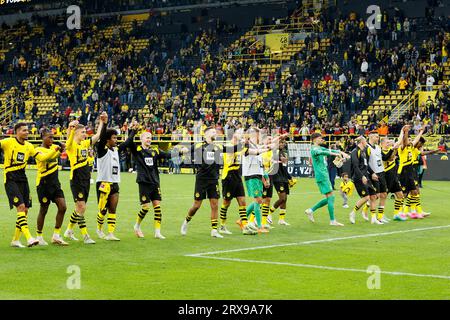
[
  {"x": 207, "y": 158},
  {"x": 281, "y": 179},
  {"x": 146, "y": 158},
  {"x": 360, "y": 176}
]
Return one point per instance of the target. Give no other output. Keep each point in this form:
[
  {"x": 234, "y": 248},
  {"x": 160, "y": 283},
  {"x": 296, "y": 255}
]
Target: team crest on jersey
[
  {"x": 256, "y": 193},
  {"x": 403, "y": 188},
  {"x": 197, "y": 195},
  {"x": 44, "y": 200},
  {"x": 265, "y": 193},
  {"x": 144, "y": 198},
  {"x": 363, "y": 193},
  {"x": 228, "y": 194},
  {"x": 281, "y": 188},
  {"x": 16, "y": 200},
  {"x": 80, "y": 195}
]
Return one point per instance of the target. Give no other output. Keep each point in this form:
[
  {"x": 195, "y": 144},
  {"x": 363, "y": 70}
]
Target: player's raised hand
[
  {"x": 104, "y": 117},
  {"x": 73, "y": 124}
]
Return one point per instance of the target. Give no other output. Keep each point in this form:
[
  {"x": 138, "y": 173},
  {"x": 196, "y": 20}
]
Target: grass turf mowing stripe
[
  {"x": 312, "y": 266},
  {"x": 380, "y": 234}
]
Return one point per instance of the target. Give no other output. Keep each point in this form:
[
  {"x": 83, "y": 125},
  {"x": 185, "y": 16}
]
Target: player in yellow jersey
[
  {"x": 49, "y": 189},
  {"x": 406, "y": 172},
  {"x": 17, "y": 150},
  {"x": 77, "y": 147},
  {"x": 418, "y": 151},
  {"x": 389, "y": 151},
  {"x": 346, "y": 188},
  {"x": 232, "y": 186},
  {"x": 267, "y": 190}
]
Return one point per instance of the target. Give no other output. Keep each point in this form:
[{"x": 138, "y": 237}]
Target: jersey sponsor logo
[
  {"x": 148, "y": 161},
  {"x": 210, "y": 156},
  {"x": 20, "y": 157}
]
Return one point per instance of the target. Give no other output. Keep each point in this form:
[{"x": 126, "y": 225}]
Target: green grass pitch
[{"x": 414, "y": 264}]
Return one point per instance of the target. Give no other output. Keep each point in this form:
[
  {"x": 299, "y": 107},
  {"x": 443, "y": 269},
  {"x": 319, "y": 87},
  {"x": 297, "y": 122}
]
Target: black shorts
[
  {"x": 281, "y": 187},
  {"x": 113, "y": 190},
  {"x": 380, "y": 185},
  {"x": 18, "y": 193},
  {"x": 392, "y": 182},
  {"x": 49, "y": 191},
  {"x": 80, "y": 190},
  {"x": 364, "y": 190},
  {"x": 232, "y": 187},
  {"x": 149, "y": 192},
  {"x": 268, "y": 192},
  {"x": 407, "y": 180},
  {"x": 206, "y": 189}
]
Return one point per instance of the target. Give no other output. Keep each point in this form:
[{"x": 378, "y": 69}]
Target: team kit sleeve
[
  {"x": 129, "y": 143},
  {"x": 355, "y": 164},
  {"x": 39, "y": 156}
]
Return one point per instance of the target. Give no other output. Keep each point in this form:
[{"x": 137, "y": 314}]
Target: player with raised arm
[
  {"x": 206, "y": 157},
  {"x": 147, "y": 157},
  {"x": 361, "y": 180},
  {"x": 108, "y": 179},
  {"x": 389, "y": 153},
  {"x": 232, "y": 186},
  {"x": 17, "y": 150},
  {"x": 77, "y": 148},
  {"x": 319, "y": 156},
  {"x": 49, "y": 188}
]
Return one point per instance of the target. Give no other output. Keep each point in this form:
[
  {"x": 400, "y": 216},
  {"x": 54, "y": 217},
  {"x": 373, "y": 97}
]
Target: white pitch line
[
  {"x": 203, "y": 254},
  {"x": 312, "y": 266}
]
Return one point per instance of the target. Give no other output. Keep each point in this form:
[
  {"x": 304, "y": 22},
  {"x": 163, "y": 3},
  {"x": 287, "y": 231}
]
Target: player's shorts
[
  {"x": 206, "y": 189},
  {"x": 254, "y": 187},
  {"x": 380, "y": 185},
  {"x": 281, "y": 187},
  {"x": 232, "y": 187},
  {"x": 80, "y": 190},
  {"x": 364, "y": 190},
  {"x": 392, "y": 182},
  {"x": 268, "y": 192},
  {"x": 149, "y": 192},
  {"x": 48, "y": 192},
  {"x": 325, "y": 186},
  {"x": 18, "y": 193},
  {"x": 104, "y": 191},
  {"x": 407, "y": 179}
]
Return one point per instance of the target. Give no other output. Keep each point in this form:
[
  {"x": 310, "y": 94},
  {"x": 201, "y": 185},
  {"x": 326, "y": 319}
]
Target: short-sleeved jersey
[
  {"x": 16, "y": 157},
  {"x": 390, "y": 163},
  {"x": 347, "y": 187},
  {"x": 79, "y": 157},
  {"x": 405, "y": 156},
  {"x": 47, "y": 169},
  {"x": 232, "y": 162},
  {"x": 415, "y": 154}
]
